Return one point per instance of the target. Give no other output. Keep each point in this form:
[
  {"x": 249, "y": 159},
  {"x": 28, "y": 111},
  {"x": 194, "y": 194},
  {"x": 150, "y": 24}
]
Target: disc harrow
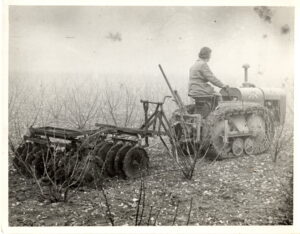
[{"x": 54, "y": 154}]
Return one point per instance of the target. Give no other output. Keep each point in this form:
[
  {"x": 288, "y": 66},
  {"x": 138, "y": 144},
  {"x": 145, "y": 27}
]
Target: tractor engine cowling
[{"x": 274, "y": 99}]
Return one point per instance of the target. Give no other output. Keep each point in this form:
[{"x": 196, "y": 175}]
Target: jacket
[{"x": 200, "y": 76}]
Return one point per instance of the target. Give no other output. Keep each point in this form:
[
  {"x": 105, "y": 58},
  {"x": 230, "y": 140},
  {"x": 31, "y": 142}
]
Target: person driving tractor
[
  {"x": 201, "y": 75},
  {"x": 199, "y": 88}
]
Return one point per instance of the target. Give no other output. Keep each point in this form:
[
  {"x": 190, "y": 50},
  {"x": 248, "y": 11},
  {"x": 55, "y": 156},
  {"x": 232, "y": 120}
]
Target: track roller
[
  {"x": 135, "y": 162},
  {"x": 238, "y": 146},
  {"x": 249, "y": 146},
  {"x": 220, "y": 146}
]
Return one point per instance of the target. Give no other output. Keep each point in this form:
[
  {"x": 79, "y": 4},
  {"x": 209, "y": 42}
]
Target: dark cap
[{"x": 205, "y": 53}]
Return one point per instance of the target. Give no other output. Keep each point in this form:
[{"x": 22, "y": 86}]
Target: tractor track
[{"x": 225, "y": 111}]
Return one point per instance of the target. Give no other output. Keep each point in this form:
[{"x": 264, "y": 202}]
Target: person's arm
[{"x": 207, "y": 73}]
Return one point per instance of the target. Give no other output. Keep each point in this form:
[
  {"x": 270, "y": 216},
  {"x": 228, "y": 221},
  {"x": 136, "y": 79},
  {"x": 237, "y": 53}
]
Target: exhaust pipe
[
  {"x": 246, "y": 84},
  {"x": 246, "y": 66}
]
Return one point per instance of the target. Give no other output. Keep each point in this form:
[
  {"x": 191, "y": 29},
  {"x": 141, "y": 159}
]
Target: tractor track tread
[{"x": 224, "y": 110}]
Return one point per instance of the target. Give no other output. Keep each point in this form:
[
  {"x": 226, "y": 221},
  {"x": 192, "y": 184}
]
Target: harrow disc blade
[
  {"x": 62, "y": 165},
  {"x": 101, "y": 156},
  {"x": 118, "y": 163},
  {"x": 135, "y": 162},
  {"x": 98, "y": 147},
  {"x": 98, "y": 162},
  {"x": 28, "y": 158},
  {"x": 38, "y": 162},
  {"x": 89, "y": 173},
  {"x": 110, "y": 159},
  {"x": 25, "y": 158},
  {"x": 19, "y": 158},
  {"x": 104, "y": 150},
  {"x": 31, "y": 156}
]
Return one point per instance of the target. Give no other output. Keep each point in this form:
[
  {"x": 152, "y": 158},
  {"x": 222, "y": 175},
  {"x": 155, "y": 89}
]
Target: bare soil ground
[{"x": 249, "y": 190}]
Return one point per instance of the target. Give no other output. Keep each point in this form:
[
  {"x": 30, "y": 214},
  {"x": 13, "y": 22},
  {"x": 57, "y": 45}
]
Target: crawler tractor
[{"x": 234, "y": 122}]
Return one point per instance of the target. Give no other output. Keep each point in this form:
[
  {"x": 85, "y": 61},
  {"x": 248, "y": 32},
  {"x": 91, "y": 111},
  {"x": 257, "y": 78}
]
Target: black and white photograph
[{"x": 150, "y": 115}]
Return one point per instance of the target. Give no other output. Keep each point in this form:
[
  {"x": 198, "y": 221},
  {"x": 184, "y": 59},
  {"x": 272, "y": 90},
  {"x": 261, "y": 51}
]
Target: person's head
[{"x": 205, "y": 53}]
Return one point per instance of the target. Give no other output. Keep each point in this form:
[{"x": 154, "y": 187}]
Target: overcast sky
[{"x": 131, "y": 41}]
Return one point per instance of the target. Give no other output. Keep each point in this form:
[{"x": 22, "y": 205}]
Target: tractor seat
[{"x": 204, "y": 104}]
